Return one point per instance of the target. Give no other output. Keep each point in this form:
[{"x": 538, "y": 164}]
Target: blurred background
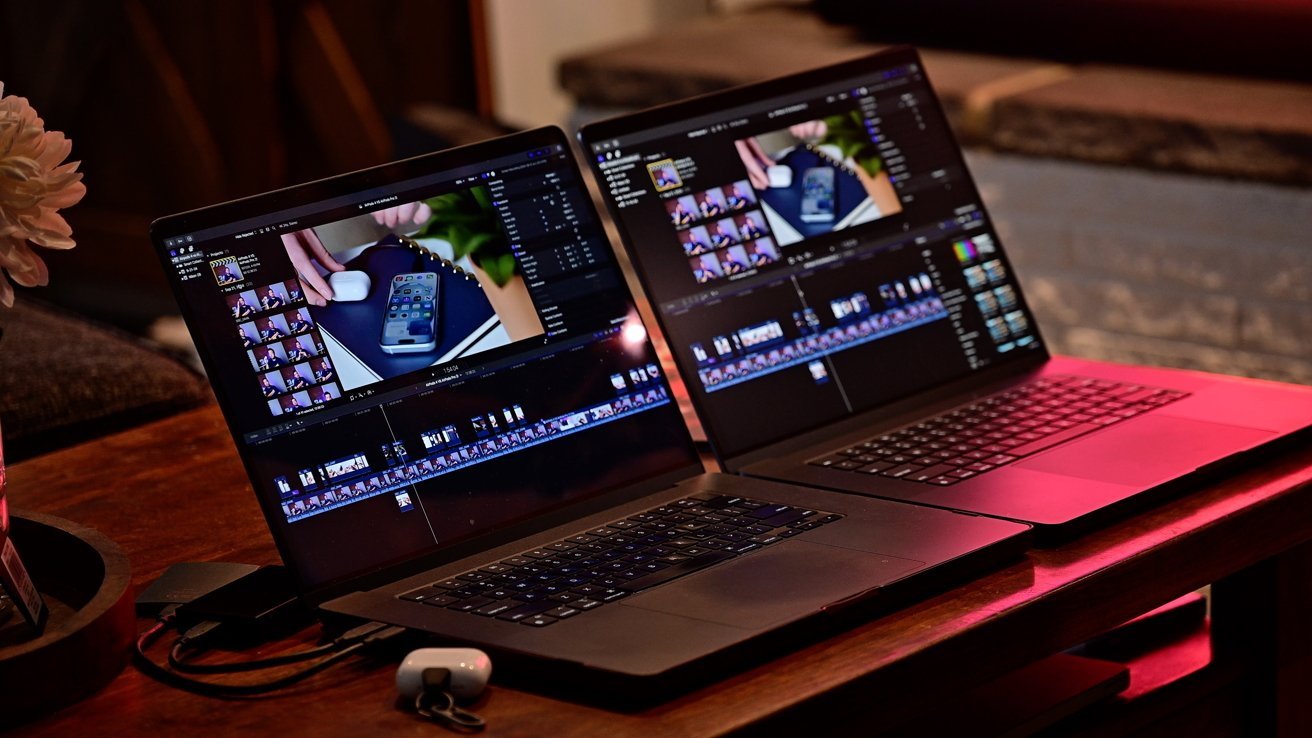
[{"x": 1148, "y": 161}]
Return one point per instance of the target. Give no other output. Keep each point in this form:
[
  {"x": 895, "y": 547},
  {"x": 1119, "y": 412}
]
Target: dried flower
[{"x": 34, "y": 185}]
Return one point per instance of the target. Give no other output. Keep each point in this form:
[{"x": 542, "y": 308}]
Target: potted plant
[
  {"x": 847, "y": 134},
  {"x": 467, "y": 220}
]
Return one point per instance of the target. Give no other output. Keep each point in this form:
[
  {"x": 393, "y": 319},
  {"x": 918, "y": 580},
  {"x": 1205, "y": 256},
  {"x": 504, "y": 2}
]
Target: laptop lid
[
  {"x": 481, "y": 373},
  {"x": 814, "y": 247}
]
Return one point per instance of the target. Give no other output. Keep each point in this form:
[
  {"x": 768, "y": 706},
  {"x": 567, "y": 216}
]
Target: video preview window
[
  {"x": 802, "y": 181},
  {"x": 817, "y": 177},
  {"x": 409, "y": 286}
]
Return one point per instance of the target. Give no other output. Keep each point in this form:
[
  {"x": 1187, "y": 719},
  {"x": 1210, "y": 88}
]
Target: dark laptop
[
  {"x": 474, "y": 438},
  {"x": 845, "y": 316}
]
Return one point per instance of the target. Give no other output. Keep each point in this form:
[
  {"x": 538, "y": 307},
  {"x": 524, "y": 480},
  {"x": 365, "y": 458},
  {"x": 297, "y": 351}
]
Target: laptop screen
[
  {"x": 480, "y": 362},
  {"x": 814, "y": 246}
]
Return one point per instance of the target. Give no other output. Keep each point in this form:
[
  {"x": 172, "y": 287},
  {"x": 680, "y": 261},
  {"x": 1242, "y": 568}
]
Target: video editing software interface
[
  {"x": 526, "y": 381},
  {"x": 822, "y": 249}
]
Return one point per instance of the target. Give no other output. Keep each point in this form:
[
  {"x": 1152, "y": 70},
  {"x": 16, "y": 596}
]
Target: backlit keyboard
[
  {"x": 604, "y": 564},
  {"x": 998, "y": 430}
]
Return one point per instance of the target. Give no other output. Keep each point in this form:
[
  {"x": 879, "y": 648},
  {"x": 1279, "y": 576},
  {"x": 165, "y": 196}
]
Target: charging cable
[
  {"x": 341, "y": 648},
  {"x": 190, "y": 642}
]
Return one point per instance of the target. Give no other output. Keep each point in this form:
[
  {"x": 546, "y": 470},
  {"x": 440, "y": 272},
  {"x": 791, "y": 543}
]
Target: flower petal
[
  {"x": 24, "y": 266},
  {"x": 65, "y": 197},
  {"x": 6, "y": 291}
]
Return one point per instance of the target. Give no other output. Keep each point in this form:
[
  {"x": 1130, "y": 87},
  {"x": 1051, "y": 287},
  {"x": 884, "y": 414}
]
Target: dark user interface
[
  {"x": 823, "y": 249},
  {"x": 479, "y": 360}
]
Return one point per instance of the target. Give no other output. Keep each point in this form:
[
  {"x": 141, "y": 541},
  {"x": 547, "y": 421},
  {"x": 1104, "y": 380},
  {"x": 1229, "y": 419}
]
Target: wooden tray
[{"x": 88, "y": 639}]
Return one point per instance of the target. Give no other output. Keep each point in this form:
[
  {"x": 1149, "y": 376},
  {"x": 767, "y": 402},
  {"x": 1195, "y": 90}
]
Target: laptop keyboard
[
  {"x": 604, "y": 564},
  {"x": 998, "y": 430}
]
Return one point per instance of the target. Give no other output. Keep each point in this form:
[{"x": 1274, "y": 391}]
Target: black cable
[
  {"x": 377, "y": 632},
  {"x": 178, "y": 662}
]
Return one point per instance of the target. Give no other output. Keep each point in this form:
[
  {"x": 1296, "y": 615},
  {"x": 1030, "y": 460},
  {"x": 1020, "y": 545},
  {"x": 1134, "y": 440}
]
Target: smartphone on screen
[
  {"x": 410, "y": 320},
  {"x": 818, "y": 194}
]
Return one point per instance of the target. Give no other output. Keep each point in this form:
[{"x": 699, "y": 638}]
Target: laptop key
[
  {"x": 768, "y": 511},
  {"x": 1038, "y": 445},
  {"x": 468, "y": 605},
  {"x": 440, "y": 600},
  {"x": 680, "y": 568},
  {"x": 898, "y": 472},
  {"x": 928, "y": 473},
  {"x": 784, "y": 518},
  {"x": 494, "y": 608}
]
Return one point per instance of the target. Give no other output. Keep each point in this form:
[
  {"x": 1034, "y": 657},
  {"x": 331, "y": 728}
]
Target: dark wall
[
  {"x": 173, "y": 106},
  {"x": 1262, "y": 38}
]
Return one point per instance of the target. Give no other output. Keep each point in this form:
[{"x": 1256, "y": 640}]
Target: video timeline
[
  {"x": 490, "y": 436},
  {"x": 761, "y": 349}
]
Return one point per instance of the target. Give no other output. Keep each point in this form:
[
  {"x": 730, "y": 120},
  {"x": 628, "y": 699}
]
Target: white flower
[{"x": 34, "y": 185}]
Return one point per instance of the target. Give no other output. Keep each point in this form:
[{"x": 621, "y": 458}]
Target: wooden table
[{"x": 175, "y": 491}]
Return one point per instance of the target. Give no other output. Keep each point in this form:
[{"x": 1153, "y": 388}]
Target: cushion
[{"x": 65, "y": 380}]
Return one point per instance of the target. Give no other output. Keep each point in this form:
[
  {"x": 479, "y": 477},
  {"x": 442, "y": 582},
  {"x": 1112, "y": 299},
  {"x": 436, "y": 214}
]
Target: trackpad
[
  {"x": 786, "y": 580},
  {"x": 1147, "y": 450}
]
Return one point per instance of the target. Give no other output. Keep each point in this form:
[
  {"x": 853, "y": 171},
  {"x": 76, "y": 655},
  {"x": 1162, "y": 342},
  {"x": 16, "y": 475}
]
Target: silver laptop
[{"x": 845, "y": 315}]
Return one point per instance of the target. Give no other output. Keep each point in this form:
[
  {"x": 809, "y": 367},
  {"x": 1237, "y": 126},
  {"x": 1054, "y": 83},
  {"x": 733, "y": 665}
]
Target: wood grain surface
[{"x": 175, "y": 491}]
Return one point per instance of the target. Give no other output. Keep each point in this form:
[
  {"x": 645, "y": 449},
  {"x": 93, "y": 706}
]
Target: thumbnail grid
[
  {"x": 722, "y": 231},
  {"x": 986, "y": 277},
  {"x": 284, "y": 347}
]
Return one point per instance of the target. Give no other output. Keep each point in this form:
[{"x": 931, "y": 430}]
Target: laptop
[
  {"x": 454, "y": 421},
  {"x": 845, "y": 316}
]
